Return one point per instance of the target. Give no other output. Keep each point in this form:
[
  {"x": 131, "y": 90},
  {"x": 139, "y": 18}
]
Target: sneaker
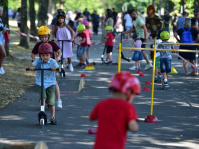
[
  {"x": 2, "y": 70},
  {"x": 78, "y": 65},
  {"x": 166, "y": 84},
  {"x": 59, "y": 103},
  {"x": 148, "y": 66},
  {"x": 71, "y": 67},
  {"x": 83, "y": 66},
  {"x": 109, "y": 63},
  {"x": 132, "y": 68},
  {"x": 53, "y": 121}
]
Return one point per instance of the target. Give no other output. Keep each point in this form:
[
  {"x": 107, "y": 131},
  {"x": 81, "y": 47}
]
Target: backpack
[{"x": 186, "y": 37}]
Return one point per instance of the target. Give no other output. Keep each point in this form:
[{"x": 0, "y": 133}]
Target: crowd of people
[{"x": 68, "y": 28}]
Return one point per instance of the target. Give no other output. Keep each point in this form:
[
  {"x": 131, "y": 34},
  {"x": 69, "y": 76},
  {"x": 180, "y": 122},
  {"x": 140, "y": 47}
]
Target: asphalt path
[{"x": 177, "y": 110}]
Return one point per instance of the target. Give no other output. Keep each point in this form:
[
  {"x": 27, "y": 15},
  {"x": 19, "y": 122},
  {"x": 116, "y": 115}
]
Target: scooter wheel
[{"x": 42, "y": 122}]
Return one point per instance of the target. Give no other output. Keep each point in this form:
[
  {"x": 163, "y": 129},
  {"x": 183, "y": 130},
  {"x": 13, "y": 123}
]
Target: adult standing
[
  {"x": 195, "y": 20},
  {"x": 87, "y": 14},
  {"x": 141, "y": 29},
  {"x": 115, "y": 14},
  {"x": 174, "y": 23},
  {"x": 107, "y": 22},
  {"x": 95, "y": 22},
  {"x": 128, "y": 23},
  {"x": 2, "y": 42},
  {"x": 181, "y": 20},
  {"x": 18, "y": 17},
  {"x": 166, "y": 19},
  {"x": 195, "y": 37}
]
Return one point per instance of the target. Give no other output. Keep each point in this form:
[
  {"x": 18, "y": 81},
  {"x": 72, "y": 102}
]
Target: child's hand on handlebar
[
  {"x": 32, "y": 68},
  {"x": 53, "y": 68}
]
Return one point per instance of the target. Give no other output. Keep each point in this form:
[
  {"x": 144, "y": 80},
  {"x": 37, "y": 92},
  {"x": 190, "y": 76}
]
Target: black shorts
[
  {"x": 109, "y": 49},
  {"x": 89, "y": 45}
]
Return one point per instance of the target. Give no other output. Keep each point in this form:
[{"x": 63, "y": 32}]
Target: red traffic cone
[
  {"x": 139, "y": 71},
  {"x": 91, "y": 131},
  {"x": 148, "y": 83},
  {"x": 90, "y": 64},
  {"x": 83, "y": 75},
  {"x": 141, "y": 75},
  {"x": 146, "y": 89}
]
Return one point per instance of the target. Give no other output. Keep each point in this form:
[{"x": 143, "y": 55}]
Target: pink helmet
[
  {"x": 45, "y": 48},
  {"x": 85, "y": 22},
  {"x": 124, "y": 81}
]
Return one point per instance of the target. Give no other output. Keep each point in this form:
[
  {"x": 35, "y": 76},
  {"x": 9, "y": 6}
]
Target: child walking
[
  {"x": 158, "y": 75},
  {"x": 44, "y": 35},
  {"x": 81, "y": 49},
  {"x": 137, "y": 56},
  {"x": 116, "y": 115},
  {"x": 88, "y": 33},
  {"x": 45, "y": 61},
  {"x": 165, "y": 57},
  {"x": 63, "y": 32},
  {"x": 109, "y": 43}
]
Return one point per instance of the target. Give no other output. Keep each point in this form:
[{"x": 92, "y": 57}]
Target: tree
[
  {"x": 24, "y": 27},
  {"x": 5, "y": 21},
  {"x": 42, "y": 14},
  {"x": 32, "y": 14}
]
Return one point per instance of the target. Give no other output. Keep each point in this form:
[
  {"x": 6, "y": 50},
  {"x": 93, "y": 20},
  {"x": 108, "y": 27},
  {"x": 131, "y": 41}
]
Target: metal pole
[
  {"x": 119, "y": 57},
  {"x": 152, "y": 92}
]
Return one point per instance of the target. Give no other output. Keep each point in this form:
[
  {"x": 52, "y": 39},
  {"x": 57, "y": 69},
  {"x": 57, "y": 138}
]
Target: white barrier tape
[
  {"x": 187, "y": 61},
  {"x": 35, "y": 37}
]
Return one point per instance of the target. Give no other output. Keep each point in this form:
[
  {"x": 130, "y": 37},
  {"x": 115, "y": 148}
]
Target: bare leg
[
  {"x": 167, "y": 74},
  {"x": 63, "y": 62},
  {"x": 164, "y": 75},
  {"x": 185, "y": 67},
  {"x": 193, "y": 68},
  {"x": 145, "y": 57},
  {"x": 69, "y": 60},
  {"x": 52, "y": 111},
  {"x": 57, "y": 91},
  {"x": 2, "y": 54}
]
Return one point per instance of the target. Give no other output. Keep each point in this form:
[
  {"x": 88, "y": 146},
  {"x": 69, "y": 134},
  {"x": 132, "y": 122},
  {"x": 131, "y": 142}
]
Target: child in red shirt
[
  {"x": 116, "y": 115},
  {"x": 83, "y": 46},
  {"x": 109, "y": 43}
]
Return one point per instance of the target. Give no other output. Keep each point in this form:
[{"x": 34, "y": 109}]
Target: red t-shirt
[
  {"x": 113, "y": 116},
  {"x": 52, "y": 43},
  {"x": 109, "y": 41},
  {"x": 83, "y": 35}
]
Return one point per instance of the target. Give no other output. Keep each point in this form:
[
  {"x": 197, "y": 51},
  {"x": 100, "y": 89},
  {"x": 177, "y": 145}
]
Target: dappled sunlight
[{"x": 11, "y": 117}]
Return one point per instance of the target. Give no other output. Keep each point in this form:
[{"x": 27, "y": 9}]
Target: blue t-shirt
[
  {"x": 49, "y": 76},
  {"x": 193, "y": 32},
  {"x": 180, "y": 22}
]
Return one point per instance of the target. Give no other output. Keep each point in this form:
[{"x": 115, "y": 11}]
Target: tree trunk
[
  {"x": 24, "y": 27},
  {"x": 32, "y": 14},
  {"x": 42, "y": 14},
  {"x": 5, "y": 21},
  {"x": 183, "y": 5},
  {"x": 154, "y": 4}
]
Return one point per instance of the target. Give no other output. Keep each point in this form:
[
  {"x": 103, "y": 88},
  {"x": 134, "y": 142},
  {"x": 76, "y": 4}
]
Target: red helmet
[
  {"x": 124, "y": 81},
  {"x": 45, "y": 48}
]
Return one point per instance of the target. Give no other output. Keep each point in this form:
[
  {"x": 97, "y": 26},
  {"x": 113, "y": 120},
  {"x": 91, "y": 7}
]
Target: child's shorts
[
  {"x": 109, "y": 49},
  {"x": 49, "y": 94},
  {"x": 165, "y": 65},
  {"x": 157, "y": 62},
  {"x": 2, "y": 40},
  {"x": 81, "y": 50}
]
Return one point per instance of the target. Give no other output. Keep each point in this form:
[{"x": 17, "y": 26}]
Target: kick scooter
[{"x": 42, "y": 116}]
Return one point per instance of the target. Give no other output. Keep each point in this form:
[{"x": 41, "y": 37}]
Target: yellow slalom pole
[
  {"x": 119, "y": 57},
  {"x": 152, "y": 92}
]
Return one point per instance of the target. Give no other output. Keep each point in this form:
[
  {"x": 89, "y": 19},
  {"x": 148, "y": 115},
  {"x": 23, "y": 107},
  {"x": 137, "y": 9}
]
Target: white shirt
[{"x": 128, "y": 19}]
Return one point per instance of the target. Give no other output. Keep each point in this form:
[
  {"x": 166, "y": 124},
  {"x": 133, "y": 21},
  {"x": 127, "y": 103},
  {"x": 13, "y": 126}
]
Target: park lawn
[{"x": 16, "y": 80}]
